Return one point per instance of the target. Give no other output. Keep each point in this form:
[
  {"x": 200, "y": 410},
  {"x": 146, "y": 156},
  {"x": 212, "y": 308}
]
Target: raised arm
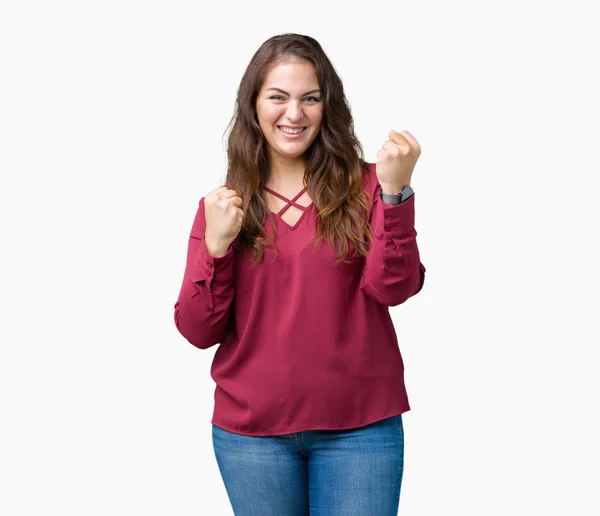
[
  {"x": 203, "y": 308},
  {"x": 393, "y": 270}
]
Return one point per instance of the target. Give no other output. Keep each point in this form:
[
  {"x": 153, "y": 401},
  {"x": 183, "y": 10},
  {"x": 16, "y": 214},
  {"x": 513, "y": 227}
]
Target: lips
[{"x": 291, "y": 134}]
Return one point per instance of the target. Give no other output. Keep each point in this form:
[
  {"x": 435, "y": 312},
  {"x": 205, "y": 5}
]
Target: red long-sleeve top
[{"x": 305, "y": 343}]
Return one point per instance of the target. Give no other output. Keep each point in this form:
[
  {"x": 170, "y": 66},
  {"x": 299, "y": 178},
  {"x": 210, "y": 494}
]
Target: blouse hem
[{"x": 262, "y": 433}]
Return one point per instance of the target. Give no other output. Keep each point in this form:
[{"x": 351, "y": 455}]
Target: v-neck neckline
[{"x": 290, "y": 203}]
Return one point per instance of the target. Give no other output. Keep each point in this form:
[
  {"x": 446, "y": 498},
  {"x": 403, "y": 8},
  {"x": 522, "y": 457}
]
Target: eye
[{"x": 311, "y": 98}]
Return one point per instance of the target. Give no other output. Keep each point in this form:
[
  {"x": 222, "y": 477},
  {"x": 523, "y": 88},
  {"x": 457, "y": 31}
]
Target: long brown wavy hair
[{"x": 334, "y": 161}]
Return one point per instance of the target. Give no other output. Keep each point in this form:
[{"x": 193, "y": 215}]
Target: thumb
[
  {"x": 396, "y": 137},
  {"x": 237, "y": 201}
]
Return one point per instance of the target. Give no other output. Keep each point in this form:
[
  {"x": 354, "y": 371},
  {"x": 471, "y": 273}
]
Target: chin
[{"x": 291, "y": 155}]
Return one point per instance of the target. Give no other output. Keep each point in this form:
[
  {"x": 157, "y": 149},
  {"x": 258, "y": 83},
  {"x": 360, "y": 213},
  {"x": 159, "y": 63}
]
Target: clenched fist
[
  {"x": 396, "y": 161},
  {"x": 224, "y": 216}
]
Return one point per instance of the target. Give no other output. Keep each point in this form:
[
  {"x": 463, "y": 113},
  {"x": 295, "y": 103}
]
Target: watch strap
[{"x": 406, "y": 193}]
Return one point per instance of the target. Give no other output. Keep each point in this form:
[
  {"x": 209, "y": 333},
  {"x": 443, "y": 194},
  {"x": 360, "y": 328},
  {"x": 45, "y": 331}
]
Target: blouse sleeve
[
  {"x": 202, "y": 310},
  {"x": 393, "y": 270}
]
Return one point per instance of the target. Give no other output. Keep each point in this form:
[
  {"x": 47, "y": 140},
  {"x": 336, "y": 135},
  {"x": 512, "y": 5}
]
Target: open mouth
[{"x": 290, "y": 133}]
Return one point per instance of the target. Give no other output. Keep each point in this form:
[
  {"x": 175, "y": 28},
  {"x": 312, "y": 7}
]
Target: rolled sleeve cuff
[{"x": 399, "y": 220}]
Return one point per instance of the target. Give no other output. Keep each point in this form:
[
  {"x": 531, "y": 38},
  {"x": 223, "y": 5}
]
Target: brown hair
[{"x": 334, "y": 160}]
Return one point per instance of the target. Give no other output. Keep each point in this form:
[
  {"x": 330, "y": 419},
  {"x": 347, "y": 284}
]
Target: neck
[{"x": 286, "y": 172}]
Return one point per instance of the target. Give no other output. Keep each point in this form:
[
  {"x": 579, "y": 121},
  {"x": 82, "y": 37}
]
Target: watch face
[{"x": 407, "y": 191}]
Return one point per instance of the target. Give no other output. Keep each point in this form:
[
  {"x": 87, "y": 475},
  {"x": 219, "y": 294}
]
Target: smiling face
[{"x": 290, "y": 101}]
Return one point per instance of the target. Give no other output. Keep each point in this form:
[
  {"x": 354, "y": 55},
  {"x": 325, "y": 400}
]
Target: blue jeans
[{"x": 317, "y": 472}]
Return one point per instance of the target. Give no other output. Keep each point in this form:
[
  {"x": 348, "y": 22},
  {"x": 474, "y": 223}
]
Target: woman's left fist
[{"x": 396, "y": 161}]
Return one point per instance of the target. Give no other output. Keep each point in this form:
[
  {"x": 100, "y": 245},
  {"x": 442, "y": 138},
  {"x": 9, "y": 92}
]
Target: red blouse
[{"x": 305, "y": 343}]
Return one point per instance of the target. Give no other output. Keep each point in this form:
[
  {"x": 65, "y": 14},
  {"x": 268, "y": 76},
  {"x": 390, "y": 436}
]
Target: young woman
[{"x": 291, "y": 268}]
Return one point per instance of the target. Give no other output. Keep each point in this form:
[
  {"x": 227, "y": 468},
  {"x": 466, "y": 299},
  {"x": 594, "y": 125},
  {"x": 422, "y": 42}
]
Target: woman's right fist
[{"x": 224, "y": 216}]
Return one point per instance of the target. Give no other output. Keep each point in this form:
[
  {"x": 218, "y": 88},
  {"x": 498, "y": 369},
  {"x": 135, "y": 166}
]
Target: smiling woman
[
  {"x": 292, "y": 267},
  {"x": 290, "y": 121},
  {"x": 292, "y": 128}
]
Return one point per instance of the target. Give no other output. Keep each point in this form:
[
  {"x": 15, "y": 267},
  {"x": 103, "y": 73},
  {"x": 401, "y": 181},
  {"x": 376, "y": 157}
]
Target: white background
[{"x": 112, "y": 117}]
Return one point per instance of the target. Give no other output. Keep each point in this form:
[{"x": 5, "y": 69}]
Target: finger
[
  {"x": 389, "y": 145},
  {"x": 411, "y": 139},
  {"x": 399, "y": 138},
  {"x": 215, "y": 195},
  {"x": 227, "y": 194}
]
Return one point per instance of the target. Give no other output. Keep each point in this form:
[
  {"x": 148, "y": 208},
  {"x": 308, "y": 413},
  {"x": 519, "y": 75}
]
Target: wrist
[
  {"x": 392, "y": 188},
  {"x": 393, "y": 199},
  {"x": 217, "y": 248}
]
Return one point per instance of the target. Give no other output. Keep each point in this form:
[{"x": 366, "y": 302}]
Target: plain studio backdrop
[{"x": 112, "y": 117}]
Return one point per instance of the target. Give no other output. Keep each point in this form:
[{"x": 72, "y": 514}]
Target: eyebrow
[{"x": 286, "y": 93}]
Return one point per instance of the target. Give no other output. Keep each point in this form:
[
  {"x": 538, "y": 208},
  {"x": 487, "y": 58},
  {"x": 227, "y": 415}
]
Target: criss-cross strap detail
[{"x": 289, "y": 202}]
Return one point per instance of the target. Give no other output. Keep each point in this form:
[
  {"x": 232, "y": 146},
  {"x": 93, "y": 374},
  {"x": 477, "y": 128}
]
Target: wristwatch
[{"x": 406, "y": 193}]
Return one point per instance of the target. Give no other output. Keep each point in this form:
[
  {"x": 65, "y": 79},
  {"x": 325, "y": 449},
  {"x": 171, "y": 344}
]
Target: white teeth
[{"x": 291, "y": 131}]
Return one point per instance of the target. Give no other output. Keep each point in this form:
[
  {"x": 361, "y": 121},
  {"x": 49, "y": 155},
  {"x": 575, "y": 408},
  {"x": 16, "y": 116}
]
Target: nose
[{"x": 294, "y": 112}]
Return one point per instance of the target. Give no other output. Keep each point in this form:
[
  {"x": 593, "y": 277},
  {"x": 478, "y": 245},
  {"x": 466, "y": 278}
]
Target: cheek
[
  {"x": 317, "y": 117},
  {"x": 270, "y": 114}
]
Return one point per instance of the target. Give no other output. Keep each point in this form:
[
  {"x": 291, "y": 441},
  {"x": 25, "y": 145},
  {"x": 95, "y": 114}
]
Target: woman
[{"x": 291, "y": 267}]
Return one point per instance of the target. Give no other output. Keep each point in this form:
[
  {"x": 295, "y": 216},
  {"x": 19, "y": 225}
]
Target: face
[{"x": 290, "y": 100}]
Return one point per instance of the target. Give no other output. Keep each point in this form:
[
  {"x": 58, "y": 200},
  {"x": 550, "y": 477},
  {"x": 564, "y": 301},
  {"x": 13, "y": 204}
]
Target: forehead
[{"x": 292, "y": 76}]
